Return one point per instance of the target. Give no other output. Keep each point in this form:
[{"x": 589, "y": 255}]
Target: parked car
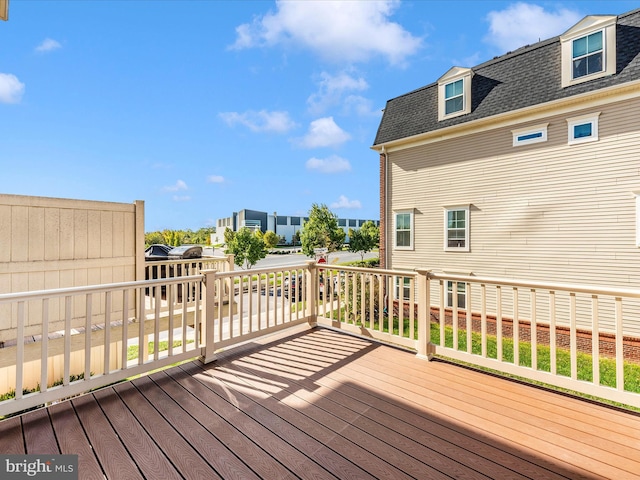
[
  {"x": 330, "y": 289},
  {"x": 291, "y": 289},
  {"x": 185, "y": 252},
  {"x": 157, "y": 252}
]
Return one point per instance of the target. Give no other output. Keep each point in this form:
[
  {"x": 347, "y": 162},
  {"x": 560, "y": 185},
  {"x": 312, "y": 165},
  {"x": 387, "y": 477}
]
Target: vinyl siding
[{"x": 547, "y": 211}]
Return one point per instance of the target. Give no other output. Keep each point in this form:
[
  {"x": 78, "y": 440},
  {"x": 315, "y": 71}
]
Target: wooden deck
[{"x": 321, "y": 404}]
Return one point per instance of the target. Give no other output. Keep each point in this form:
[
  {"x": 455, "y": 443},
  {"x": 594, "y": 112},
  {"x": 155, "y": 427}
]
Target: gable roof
[{"x": 528, "y": 76}]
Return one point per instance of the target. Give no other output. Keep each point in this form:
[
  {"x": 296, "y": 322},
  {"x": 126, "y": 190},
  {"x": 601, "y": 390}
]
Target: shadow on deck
[{"x": 321, "y": 404}]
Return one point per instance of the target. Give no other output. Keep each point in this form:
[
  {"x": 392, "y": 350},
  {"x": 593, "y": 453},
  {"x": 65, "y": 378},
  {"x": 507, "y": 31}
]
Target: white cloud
[
  {"x": 526, "y": 23},
  {"x": 337, "y": 30},
  {"x": 215, "y": 179},
  {"x": 48, "y": 45},
  {"x": 344, "y": 202},
  {"x": 324, "y": 132},
  {"x": 180, "y": 185},
  {"x": 262, "y": 121},
  {"x": 11, "y": 89},
  {"x": 183, "y": 198},
  {"x": 332, "y": 164},
  {"x": 332, "y": 89},
  {"x": 359, "y": 105}
]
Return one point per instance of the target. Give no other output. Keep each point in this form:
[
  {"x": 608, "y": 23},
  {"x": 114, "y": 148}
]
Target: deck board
[{"x": 322, "y": 404}]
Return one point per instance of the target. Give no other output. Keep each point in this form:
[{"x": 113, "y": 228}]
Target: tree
[
  {"x": 152, "y": 238},
  {"x": 270, "y": 239},
  {"x": 364, "y": 239},
  {"x": 247, "y": 247},
  {"x": 321, "y": 231}
]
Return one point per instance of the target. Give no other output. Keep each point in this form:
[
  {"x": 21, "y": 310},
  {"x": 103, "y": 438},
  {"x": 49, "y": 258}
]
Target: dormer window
[
  {"x": 454, "y": 97},
  {"x": 589, "y": 50},
  {"x": 454, "y": 93}
]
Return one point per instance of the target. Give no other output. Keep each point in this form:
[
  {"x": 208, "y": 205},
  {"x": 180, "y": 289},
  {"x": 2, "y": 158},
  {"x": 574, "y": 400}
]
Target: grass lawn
[{"x": 563, "y": 358}]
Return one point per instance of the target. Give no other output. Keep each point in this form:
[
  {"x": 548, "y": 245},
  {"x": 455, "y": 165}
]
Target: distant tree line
[{"x": 175, "y": 238}]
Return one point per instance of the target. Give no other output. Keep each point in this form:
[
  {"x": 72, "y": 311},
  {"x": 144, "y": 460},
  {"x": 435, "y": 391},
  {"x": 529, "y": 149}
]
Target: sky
[{"x": 201, "y": 108}]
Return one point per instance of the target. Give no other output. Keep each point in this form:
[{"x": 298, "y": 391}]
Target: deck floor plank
[
  {"x": 39, "y": 437},
  {"x": 146, "y": 454},
  {"x": 321, "y": 404},
  {"x": 106, "y": 443},
  {"x": 73, "y": 440},
  {"x": 11, "y": 436}
]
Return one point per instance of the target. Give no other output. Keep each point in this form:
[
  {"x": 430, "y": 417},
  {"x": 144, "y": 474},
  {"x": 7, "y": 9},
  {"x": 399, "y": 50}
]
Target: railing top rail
[
  {"x": 185, "y": 260},
  {"x": 260, "y": 271},
  {"x": 379, "y": 271},
  {"x": 102, "y": 288},
  {"x": 551, "y": 286}
]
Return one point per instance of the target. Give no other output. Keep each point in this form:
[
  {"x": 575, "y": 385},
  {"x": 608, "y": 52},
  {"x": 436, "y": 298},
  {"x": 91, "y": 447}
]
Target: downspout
[{"x": 385, "y": 206}]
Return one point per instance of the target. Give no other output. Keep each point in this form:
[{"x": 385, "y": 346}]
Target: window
[
  {"x": 583, "y": 129},
  {"x": 454, "y": 97},
  {"x": 462, "y": 294},
  {"x": 404, "y": 230},
  {"x": 282, "y": 220},
  {"x": 454, "y": 93},
  {"x": 342, "y": 222},
  {"x": 295, "y": 220},
  {"x": 352, "y": 222},
  {"x": 525, "y": 136},
  {"x": 403, "y": 288},
  {"x": 456, "y": 229},
  {"x": 589, "y": 50}
]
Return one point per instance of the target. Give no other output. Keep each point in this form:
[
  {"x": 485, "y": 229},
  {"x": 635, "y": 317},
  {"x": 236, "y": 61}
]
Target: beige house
[{"x": 526, "y": 166}]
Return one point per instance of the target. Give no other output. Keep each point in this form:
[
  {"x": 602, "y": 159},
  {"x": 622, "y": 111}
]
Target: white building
[{"x": 285, "y": 226}]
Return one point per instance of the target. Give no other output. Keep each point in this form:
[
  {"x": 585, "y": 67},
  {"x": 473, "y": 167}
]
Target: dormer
[
  {"x": 454, "y": 93},
  {"x": 589, "y": 49}
]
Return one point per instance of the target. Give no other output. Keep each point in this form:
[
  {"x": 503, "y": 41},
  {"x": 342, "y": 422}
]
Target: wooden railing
[{"x": 562, "y": 335}]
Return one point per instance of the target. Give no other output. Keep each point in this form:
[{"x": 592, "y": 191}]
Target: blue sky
[{"x": 201, "y": 108}]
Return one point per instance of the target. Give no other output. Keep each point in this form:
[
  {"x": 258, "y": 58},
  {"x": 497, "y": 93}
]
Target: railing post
[
  {"x": 209, "y": 283},
  {"x": 312, "y": 293},
  {"x": 426, "y": 349}
]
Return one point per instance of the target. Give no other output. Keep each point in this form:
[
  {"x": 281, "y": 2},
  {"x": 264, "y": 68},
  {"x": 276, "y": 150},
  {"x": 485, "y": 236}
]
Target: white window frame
[
  {"x": 588, "y": 26},
  {"x": 450, "y": 296},
  {"x": 588, "y": 54},
  {"x": 466, "y": 209},
  {"x": 455, "y": 74},
  {"x": 460, "y": 95},
  {"x": 574, "y": 122},
  {"x": 395, "y": 229},
  {"x": 540, "y": 132}
]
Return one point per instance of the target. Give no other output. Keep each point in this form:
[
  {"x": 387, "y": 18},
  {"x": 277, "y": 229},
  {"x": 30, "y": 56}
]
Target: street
[{"x": 299, "y": 259}]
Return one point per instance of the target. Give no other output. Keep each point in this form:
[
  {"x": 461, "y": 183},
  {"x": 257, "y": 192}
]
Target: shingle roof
[{"x": 529, "y": 76}]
